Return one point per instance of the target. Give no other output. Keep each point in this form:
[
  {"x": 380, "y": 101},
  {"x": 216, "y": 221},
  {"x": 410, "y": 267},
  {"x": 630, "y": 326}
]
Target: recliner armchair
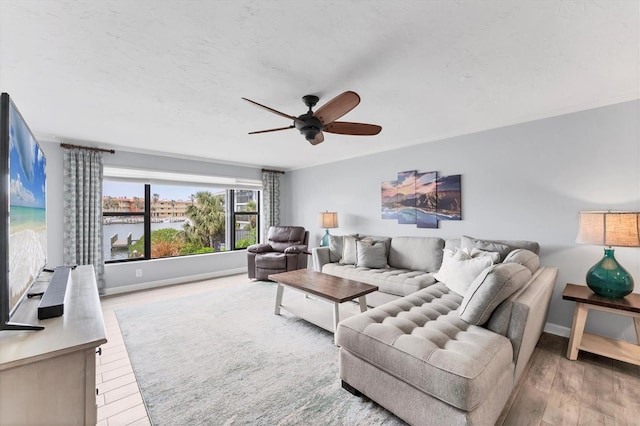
[{"x": 286, "y": 249}]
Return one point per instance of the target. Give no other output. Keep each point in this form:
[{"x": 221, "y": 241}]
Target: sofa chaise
[{"x": 452, "y": 350}]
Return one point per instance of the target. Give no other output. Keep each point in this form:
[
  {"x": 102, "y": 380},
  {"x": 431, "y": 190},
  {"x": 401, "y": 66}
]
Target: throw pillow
[
  {"x": 463, "y": 272},
  {"x": 470, "y": 243},
  {"x": 448, "y": 256},
  {"x": 524, "y": 257},
  {"x": 349, "y": 251},
  {"x": 335, "y": 247},
  {"x": 371, "y": 255},
  {"x": 494, "y": 255},
  {"x": 489, "y": 289},
  {"x": 458, "y": 270}
]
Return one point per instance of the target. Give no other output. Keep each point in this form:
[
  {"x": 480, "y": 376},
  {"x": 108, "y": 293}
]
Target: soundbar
[{"x": 52, "y": 302}]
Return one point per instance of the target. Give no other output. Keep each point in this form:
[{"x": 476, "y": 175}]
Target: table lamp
[
  {"x": 329, "y": 221},
  {"x": 608, "y": 228}
]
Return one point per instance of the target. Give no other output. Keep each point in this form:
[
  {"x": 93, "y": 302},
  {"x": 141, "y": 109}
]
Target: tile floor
[{"x": 119, "y": 400}]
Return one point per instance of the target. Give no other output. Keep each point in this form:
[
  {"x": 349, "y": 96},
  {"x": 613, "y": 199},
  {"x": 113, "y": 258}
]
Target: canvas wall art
[
  {"x": 426, "y": 200},
  {"x": 449, "y": 205},
  {"x": 389, "y": 195},
  {"x": 407, "y": 197},
  {"x": 422, "y": 199}
]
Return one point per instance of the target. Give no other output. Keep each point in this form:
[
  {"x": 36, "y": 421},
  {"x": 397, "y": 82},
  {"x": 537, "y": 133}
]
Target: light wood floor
[{"x": 593, "y": 390}]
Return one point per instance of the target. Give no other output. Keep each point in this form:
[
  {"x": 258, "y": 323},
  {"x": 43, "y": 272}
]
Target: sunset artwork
[
  {"x": 422, "y": 199},
  {"x": 407, "y": 197},
  {"x": 449, "y": 190},
  {"x": 426, "y": 200},
  {"x": 389, "y": 194}
]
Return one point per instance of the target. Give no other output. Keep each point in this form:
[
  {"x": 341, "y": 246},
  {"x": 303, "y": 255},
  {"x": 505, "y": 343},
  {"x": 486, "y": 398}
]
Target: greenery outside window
[
  {"x": 245, "y": 217},
  {"x": 150, "y": 221}
]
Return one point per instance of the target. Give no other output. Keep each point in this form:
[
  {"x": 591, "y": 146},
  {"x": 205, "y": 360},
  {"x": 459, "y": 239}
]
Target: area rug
[{"x": 225, "y": 358}]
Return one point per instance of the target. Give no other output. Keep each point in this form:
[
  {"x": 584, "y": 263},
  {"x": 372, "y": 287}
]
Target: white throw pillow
[
  {"x": 470, "y": 243},
  {"x": 494, "y": 255},
  {"x": 349, "y": 252},
  {"x": 463, "y": 272},
  {"x": 448, "y": 257},
  {"x": 459, "y": 269}
]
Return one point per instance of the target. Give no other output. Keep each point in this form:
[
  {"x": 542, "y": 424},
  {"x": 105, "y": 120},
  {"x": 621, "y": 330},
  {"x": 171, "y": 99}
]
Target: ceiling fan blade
[
  {"x": 337, "y": 107},
  {"x": 319, "y": 138},
  {"x": 271, "y": 130},
  {"x": 281, "y": 114},
  {"x": 358, "y": 129}
]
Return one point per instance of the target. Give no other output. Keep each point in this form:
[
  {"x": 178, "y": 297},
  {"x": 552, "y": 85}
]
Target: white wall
[
  {"x": 122, "y": 276},
  {"x": 526, "y": 181}
]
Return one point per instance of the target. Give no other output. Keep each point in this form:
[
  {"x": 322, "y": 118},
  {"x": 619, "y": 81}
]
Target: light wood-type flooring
[{"x": 593, "y": 390}]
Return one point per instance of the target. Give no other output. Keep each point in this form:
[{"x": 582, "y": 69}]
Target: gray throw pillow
[
  {"x": 489, "y": 289},
  {"x": 469, "y": 243},
  {"x": 349, "y": 251},
  {"x": 524, "y": 257},
  {"x": 335, "y": 247},
  {"x": 371, "y": 255}
]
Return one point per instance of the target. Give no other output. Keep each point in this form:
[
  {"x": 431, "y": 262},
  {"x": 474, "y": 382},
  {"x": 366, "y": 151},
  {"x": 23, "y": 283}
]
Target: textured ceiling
[{"x": 167, "y": 76}]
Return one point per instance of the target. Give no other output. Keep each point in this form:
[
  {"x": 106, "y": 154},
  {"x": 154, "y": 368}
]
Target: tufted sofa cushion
[
  {"x": 421, "y": 340},
  {"x": 399, "y": 282}
]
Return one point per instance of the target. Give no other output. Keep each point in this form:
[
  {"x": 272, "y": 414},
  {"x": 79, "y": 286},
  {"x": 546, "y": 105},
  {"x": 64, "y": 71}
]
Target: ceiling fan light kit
[{"x": 312, "y": 125}]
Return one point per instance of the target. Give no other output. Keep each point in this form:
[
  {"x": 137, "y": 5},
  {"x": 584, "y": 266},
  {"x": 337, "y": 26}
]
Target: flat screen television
[{"x": 23, "y": 218}]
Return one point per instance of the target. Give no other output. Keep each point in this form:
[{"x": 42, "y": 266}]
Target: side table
[{"x": 586, "y": 300}]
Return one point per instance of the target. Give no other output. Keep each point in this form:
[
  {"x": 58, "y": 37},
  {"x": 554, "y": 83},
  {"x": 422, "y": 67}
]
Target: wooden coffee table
[{"x": 324, "y": 286}]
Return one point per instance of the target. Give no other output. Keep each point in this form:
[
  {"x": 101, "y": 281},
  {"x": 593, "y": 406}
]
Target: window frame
[
  {"x": 234, "y": 214},
  {"x": 146, "y": 214}
]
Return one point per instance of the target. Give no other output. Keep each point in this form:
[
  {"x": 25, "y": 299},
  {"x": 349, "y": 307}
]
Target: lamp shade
[
  {"x": 608, "y": 228},
  {"x": 330, "y": 220}
]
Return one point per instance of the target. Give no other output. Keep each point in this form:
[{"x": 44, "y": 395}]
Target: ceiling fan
[{"x": 312, "y": 124}]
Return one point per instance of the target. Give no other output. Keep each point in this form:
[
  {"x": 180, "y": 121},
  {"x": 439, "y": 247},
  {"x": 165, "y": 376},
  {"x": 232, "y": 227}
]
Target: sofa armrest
[
  {"x": 259, "y": 248},
  {"x": 521, "y": 318},
  {"x": 320, "y": 257}
]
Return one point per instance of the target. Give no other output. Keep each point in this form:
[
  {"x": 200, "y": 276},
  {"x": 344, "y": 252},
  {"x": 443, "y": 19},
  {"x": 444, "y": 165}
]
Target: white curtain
[
  {"x": 271, "y": 200},
  {"x": 83, "y": 242}
]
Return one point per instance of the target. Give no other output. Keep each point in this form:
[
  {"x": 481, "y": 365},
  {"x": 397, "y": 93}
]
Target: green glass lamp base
[
  {"x": 608, "y": 278},
  {"x": 325, "y": 240}
]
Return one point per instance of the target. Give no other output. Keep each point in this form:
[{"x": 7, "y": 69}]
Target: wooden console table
[
  {"x": 49, "y": 376},
  {"x": 617, "y": 349}
]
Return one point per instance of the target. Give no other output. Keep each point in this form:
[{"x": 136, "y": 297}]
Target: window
[
  {"x": 150, "y": 221},
  {"x": 245, "y": 217}
]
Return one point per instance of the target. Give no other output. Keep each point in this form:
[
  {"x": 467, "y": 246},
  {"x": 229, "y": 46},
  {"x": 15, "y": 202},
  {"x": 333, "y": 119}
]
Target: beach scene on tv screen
[{"x": 27, "y": 214}]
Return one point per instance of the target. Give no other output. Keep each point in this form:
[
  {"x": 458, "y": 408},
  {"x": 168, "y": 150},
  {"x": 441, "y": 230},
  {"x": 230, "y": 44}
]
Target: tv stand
[{"x": 51, "y": 375}]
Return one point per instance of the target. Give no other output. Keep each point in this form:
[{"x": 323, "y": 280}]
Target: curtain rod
[
  {"x": 272, "y": 171},
  {"x": 88, "y": 148}
]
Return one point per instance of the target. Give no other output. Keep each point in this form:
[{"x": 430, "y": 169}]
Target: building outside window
[
  {"x": 150, "y": 221},
  {"x": 245, "y": 217}
]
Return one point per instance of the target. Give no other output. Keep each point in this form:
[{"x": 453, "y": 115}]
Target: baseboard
[
  {"x": 172, "y": 281},
  {"x": 558, "y": 330}
]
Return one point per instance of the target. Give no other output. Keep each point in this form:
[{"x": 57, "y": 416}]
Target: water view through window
[{"x": 183, "y": 220}]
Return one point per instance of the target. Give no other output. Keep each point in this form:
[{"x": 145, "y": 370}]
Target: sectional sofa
[{"x": 453, "y": 326}]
